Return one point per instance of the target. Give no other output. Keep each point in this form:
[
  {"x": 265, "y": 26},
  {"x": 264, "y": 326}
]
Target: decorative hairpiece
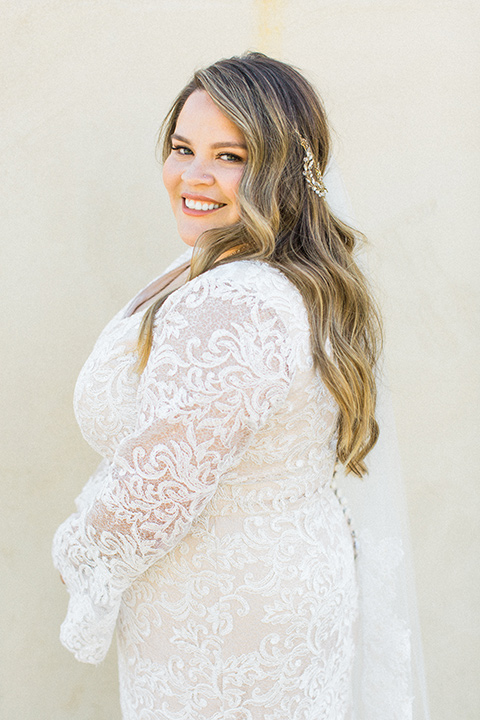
[{"x": 311, "y": 169}]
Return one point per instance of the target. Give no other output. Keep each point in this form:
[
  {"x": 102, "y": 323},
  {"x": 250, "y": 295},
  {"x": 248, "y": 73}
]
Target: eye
[
  {"x": 231, "y": 157},
  {"x": 181, "y": 150}
]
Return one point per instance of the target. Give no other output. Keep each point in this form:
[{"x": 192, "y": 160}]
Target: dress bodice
[
  {"x": 228, "y": 418},
  {"x": 297, "y": 438}
]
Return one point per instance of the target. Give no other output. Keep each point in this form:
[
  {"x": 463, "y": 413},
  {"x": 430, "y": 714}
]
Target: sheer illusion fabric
[{"x": 210, "y": 535}]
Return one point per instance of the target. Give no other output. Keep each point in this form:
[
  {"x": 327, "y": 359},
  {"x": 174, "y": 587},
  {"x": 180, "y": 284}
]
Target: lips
[{"x": 199, "y": 205}]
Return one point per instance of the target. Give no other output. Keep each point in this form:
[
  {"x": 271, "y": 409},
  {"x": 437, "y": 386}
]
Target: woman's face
[{"x": 204, "y": 168}]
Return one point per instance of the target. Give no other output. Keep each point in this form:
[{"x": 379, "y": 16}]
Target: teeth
[{"x": 197, "y": 205}]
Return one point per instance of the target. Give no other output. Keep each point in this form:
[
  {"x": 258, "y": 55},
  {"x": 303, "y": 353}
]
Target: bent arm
[{"x": 217, "y": 370}]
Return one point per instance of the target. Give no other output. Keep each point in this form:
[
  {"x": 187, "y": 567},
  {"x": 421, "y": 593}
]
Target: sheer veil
[{"x": 389, "y": 681}]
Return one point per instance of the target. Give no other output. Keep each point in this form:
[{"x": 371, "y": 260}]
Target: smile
[
  {"x": 197, "y": 205},
  {"x": 200, "y": 207}
]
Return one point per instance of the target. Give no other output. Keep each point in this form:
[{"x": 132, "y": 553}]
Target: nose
[{"x": 197, "y": 172}]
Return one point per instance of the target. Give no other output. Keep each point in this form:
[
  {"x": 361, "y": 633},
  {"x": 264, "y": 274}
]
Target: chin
[{"x": 190, "y": 238}]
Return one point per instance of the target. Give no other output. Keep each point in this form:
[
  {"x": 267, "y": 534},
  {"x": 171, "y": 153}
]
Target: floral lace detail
[{"x": 210, "y": 530}]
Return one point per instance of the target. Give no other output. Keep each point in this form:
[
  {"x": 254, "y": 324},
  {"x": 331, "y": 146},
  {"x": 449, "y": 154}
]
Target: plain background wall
[{"x": 85, "y": 223}]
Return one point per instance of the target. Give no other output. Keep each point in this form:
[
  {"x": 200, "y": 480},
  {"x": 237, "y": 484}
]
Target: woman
[{"x": 220, "y": 399}]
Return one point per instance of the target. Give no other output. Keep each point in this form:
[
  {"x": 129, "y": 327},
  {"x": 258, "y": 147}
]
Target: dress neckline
[{"x": 155, "y": 287}]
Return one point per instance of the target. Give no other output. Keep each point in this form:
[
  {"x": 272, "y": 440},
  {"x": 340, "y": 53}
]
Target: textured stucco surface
[{"x": 85, "y": 223}]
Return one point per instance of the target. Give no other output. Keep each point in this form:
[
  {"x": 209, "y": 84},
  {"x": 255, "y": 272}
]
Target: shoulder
[
  {"x": 250, "y": 282},
  {"x": 247, "y": 292}
]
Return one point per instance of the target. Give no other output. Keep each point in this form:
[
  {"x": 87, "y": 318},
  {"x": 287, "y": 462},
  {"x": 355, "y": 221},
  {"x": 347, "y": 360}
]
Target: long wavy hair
[{"x": 285, "y": 224}]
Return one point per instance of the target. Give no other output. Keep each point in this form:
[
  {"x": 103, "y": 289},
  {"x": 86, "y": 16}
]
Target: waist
[{"x": 264, "y": 496}]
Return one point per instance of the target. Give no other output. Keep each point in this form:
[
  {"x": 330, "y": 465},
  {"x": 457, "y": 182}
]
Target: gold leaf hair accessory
[{"x": 311, "y": 169}]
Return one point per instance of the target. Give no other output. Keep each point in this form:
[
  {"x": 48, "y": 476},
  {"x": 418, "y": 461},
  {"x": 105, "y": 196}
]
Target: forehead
[{"x": 200, "y": 115}]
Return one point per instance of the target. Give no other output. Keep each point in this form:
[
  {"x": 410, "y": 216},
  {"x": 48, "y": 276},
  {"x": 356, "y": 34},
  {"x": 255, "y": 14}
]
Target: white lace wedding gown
[{"x": 210, "y": 535}]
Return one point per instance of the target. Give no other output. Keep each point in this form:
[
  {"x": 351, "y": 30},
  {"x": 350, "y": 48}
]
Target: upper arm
[{"x": 218, "y": 367}]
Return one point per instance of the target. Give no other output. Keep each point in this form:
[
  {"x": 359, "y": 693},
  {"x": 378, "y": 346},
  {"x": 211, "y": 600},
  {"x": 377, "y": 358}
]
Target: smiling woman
[
  {"x": 221, "y": 398},
  {"x": 203, "y": 170}
]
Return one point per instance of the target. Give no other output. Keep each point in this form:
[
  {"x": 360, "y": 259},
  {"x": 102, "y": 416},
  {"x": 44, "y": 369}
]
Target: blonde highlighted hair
[{"x": 285, "y": 224}]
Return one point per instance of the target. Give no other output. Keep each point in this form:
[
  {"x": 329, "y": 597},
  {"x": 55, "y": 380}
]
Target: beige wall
[{"x": 85, "y": 223}]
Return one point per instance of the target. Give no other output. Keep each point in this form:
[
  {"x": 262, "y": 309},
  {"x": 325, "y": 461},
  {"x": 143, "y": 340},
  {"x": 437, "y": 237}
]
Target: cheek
[
  {"x": 234, "y": 183},
  {"x": 170, "y": 175}
]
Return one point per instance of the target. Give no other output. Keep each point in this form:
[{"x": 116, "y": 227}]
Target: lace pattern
[{"x": 209, "y": 534}]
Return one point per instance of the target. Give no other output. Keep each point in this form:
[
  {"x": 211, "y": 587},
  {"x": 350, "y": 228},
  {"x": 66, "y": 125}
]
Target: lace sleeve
[
  {"x": 92, "y": 486},
  {"x": 219, "y": 366}
]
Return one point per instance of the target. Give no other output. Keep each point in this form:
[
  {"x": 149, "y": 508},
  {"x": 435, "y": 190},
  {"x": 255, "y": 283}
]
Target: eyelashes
[
  {"x": 232, "y": 157},
  {"x": 227, "y": 156},
  {"x": 180, "y": 148}
]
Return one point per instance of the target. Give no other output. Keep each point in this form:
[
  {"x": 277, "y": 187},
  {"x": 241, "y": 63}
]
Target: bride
[{"x": 221, "y": 398}]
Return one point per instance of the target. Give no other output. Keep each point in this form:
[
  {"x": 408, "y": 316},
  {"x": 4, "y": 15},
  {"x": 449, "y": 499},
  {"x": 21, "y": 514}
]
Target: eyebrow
[{"x": 216, "y": 145}]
